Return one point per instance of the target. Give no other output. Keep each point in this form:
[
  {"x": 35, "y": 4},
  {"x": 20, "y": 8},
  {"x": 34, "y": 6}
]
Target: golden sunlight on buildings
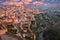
[{"x": 3, "y": 31}]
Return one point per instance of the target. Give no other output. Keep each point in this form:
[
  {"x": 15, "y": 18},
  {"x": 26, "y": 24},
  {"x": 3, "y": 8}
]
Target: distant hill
[{"x": 53, "y": 11}]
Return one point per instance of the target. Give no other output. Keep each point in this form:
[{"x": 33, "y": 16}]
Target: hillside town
[
  {"x": 19, "y": 22},
  {"x": 27, "y": 23},
  {"x": 29, "y": 19}
]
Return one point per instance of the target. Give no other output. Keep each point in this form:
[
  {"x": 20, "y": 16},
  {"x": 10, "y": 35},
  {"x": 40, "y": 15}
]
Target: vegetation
[
  {"x": 47, "y": 21},
  {"x": 10, "y": 26},
  {"x": 33, "y": 28},
  {"x": 25, "y": 26},
  {"x": 12, "y": 31},
  {"x": 28, "y": 38},
  {"x": 41, "y": 20},
  {"x": 51, "y": 34},
  {"x": 33, "y": 22},
  {"x": 21, "y": 31}
]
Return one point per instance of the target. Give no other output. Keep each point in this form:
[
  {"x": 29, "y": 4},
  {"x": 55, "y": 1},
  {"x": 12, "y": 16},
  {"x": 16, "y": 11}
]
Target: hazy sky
[{"x": 39, "y": 3}]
